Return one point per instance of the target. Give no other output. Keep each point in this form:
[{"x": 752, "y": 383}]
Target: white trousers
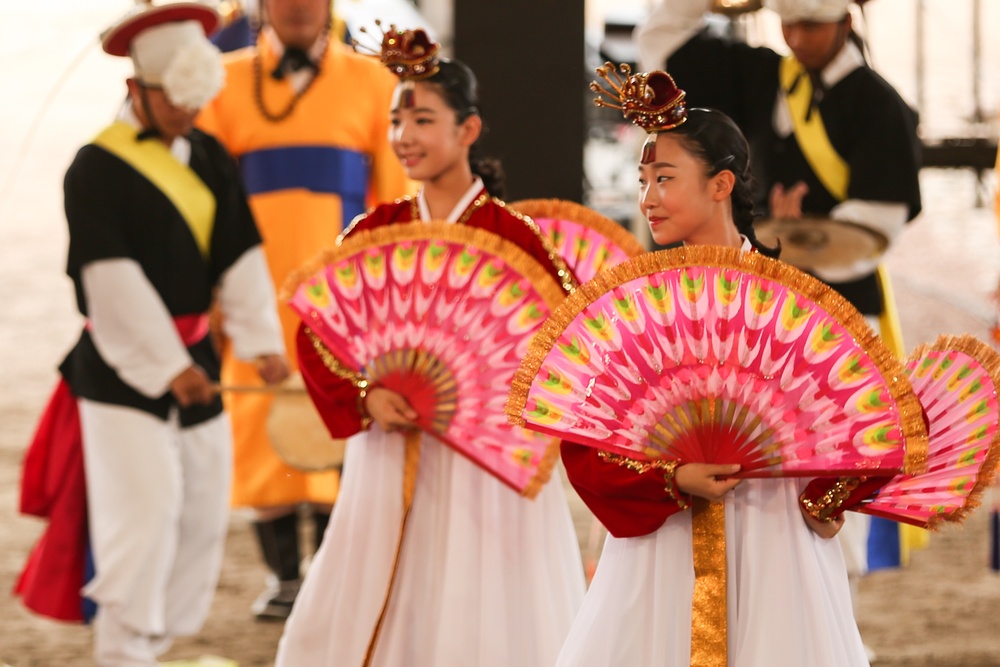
[{"x": 157, "y": 503}]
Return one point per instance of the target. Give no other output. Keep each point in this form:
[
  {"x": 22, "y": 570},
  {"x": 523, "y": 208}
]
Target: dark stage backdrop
[{"x": 529, "y": 58}]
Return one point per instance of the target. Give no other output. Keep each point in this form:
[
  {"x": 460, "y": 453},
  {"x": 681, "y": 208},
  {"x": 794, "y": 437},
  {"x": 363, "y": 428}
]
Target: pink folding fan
[
  {"x": 956, "y": 380},
  {"x": 585, "y": 239},
  {"x": 443, "y": 315},
  {"x": 709, "y": 354}
]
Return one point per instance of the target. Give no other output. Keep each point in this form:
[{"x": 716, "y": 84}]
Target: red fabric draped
[{"x": 53, "y": 487}]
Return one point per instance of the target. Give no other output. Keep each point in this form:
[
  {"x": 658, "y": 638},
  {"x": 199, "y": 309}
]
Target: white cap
[
  {"x": 821, "y": 11},
  {"x": 153, "y": 49},
  {"x": 169, "y": 48}
]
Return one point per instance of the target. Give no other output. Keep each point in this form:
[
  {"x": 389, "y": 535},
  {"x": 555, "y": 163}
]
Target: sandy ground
[{"x": 941, "y": 611}]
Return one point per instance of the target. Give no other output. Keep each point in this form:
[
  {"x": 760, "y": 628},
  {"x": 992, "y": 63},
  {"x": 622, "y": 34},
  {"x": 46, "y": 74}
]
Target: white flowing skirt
[
  {"x": 788, "y": 598},
  {"x": 486, "y": 577}
]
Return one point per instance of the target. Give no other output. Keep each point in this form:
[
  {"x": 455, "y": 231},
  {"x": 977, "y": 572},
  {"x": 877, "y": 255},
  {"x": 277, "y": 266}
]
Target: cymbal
[
  {"x": 821, "y": 243},
  {"x": 734, "y": 7},
  {"x": 297, "y": 432}
]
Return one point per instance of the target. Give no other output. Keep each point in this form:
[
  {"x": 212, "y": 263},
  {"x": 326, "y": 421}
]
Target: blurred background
[{"x": 534, "y": 59}]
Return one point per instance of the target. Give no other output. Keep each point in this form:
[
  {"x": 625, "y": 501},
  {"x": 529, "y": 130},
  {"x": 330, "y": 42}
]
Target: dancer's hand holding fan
[
  {"x": 442, "y": 315},
  {"x": 956, "y": 380},
  {"x": 588, "y": 241},
  {"x": 709, "y": 354}
]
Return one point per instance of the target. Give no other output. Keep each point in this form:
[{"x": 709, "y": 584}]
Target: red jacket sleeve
[
  {"x": 627, "y": 502},
  {"x": 335, "y": 398},
  {"x": 826, "y": 498}
]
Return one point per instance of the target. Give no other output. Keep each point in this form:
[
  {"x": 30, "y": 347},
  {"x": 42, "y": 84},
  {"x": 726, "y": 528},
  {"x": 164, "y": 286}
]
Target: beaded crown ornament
[
  {"x": 650, "y": 100},
  {"x": 409, "y": 54}
]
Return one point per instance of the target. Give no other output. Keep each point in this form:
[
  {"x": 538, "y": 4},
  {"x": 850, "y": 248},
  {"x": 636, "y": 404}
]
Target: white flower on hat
[
  {"x": 195, "y": 75},
  {"x": 822, "y": 11}
]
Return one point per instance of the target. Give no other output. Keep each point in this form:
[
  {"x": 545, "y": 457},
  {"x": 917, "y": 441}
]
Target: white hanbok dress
[
  {"x": 485, "y": 578},
  {"x": 788, "y": 599}
]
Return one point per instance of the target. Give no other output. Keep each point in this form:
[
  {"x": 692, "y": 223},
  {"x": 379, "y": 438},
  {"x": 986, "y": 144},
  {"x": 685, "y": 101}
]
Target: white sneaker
[{"x": 275, "y": 603}]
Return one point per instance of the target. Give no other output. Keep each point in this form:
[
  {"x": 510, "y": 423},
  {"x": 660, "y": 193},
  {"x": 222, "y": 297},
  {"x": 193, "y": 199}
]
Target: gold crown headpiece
[
  {"x": 651, "y": 100},
  {"x": 409, "y": 54}
]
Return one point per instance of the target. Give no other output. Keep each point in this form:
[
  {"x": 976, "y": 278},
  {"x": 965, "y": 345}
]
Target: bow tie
[{"x": 292, "y": 60}]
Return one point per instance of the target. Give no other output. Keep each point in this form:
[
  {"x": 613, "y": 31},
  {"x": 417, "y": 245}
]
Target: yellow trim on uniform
[
  {"x": 888, "y": 321},
  {"x": 185, "y": 190},
  {"x": 830, "y": 168}
]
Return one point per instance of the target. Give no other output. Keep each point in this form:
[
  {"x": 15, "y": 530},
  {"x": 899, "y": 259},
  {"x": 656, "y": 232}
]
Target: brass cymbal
[
  {"x": 821, "y": 243},
  {"x": 735, "y": 7}
]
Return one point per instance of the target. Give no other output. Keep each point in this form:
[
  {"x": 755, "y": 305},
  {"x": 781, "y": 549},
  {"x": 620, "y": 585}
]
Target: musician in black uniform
[{"x": 828, "y": 136}]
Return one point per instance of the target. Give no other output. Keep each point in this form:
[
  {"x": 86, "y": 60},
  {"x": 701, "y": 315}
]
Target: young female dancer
[
  {"x": 485, "y": 577},
  {"x": 787, "y": 597}
]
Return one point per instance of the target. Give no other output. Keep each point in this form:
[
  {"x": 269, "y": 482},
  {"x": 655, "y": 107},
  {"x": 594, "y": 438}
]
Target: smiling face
[
  {"x": 425, "y": 133},
  {"x": 680, "y": 201}
]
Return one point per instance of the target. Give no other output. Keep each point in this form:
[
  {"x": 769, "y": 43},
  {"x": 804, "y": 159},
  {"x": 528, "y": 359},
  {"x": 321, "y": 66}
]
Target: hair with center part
[
  {"x": 715, "y": 140},
  {"x": 457, "y": 85}
]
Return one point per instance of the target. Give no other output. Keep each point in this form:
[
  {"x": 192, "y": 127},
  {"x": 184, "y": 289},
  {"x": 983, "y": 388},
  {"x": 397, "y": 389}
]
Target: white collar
[
  {"x": 180, "y": 148},
  {"x": 460, "y": 208},
  {"x": 846, "y": 61},
  {"x": 747, "y": 246},
  {"x": 300, "y": 79}
]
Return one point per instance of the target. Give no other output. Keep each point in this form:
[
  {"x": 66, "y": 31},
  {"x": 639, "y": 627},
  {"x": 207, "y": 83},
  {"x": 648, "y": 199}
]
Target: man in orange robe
[{"x": 307, "y": 119}]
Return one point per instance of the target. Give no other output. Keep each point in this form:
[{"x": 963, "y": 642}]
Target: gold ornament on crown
[
  {"x": 409, "y": 54},
  {"x": 651, "y": 100}
]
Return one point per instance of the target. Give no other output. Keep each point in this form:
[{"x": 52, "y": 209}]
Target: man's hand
[
  {"x": 273, "y": 368},
  {"x": 702, "y": 479},
  {"x": 390, "y": 410},
  {"x": 787, "y": 204},
  {"x": 192, "y": 386}
]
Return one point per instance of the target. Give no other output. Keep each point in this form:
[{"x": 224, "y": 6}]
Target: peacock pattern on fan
[
  {"x": 443, "y": 315},
  {"x": 585, "y": 239},
  {"x": 707, "y": 354},
  {"x": 956, "y": 380}
]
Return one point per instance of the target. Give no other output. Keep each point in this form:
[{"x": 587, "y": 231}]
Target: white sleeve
[
  {"x": 249, "y": 313},
  {"x": 131, "y": 327},
  {"x": 669, "y": 26},
  {"x": 884, "y": 218}
]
